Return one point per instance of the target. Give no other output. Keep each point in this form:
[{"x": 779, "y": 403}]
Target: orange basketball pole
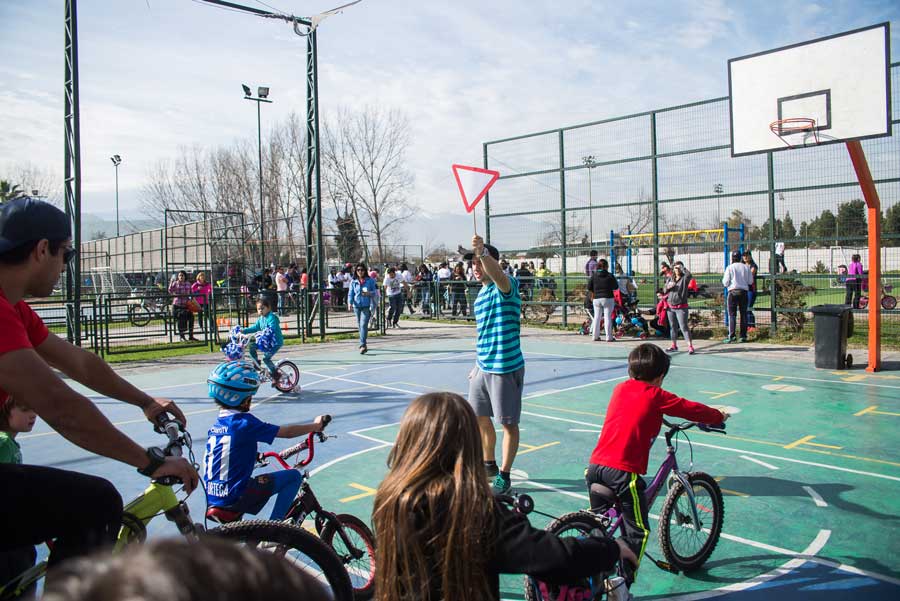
[{"x": 870, "y": 193}]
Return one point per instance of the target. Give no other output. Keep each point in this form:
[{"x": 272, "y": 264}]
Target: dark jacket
[
  {"x": 522, "y": 549},
  {"x": 602, "y": 284}
]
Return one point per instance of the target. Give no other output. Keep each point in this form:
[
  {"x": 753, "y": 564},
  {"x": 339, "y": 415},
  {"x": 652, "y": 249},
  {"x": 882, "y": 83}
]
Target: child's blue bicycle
[{"x": 288, "y": 379}]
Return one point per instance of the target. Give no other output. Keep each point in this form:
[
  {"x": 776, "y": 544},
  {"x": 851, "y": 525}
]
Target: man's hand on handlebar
[
  {"x": 181, "y": 469},
  {"x": 320, "y": 422},
  {"x": 159, "y": 406}
]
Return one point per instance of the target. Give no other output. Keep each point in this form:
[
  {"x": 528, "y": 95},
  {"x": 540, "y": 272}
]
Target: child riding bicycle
[
  {"x": 231, "y": 447},
  {"x": 267, "y": 319},
  {"x": 633, "y": 420}
]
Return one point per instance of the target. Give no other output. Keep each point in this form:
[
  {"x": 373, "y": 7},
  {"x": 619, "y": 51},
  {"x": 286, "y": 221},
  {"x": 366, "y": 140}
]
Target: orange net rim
[{"x": 793, "y": 125}]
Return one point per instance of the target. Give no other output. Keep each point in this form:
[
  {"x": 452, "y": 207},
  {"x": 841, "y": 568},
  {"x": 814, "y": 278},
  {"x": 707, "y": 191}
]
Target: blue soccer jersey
[{"x": 231, "y": 454}]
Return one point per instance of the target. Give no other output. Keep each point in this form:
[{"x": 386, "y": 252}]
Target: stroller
[{"x": 628, "y": 318}]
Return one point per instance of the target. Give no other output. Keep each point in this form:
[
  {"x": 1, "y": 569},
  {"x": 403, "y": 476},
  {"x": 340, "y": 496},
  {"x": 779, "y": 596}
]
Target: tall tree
[
  {"x": 377, "y": 142},
  {"x": 891, "y": 223},
  {"x": 788, "y": 231},
  {"x": 851, "y": 219}
]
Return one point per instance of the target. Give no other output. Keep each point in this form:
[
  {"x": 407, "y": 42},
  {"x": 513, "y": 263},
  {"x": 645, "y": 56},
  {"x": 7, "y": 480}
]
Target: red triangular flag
[{"x": 473, "y": 183}]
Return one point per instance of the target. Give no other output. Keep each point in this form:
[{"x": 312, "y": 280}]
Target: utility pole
[
  {"x": 262, "y": 94},
  {"x": 590, "y": 162}
]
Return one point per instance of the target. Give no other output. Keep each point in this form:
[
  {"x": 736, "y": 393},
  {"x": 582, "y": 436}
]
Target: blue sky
[{"x": 156, "y": 77}]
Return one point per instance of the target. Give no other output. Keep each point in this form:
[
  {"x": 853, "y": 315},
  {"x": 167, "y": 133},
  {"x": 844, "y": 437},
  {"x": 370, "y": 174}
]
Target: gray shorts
[{"x": 497, "y": 395}]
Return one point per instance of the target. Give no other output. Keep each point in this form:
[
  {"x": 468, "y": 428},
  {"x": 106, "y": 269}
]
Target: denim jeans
[
  {"x": 267, "y": 358},
  {"x": 363, "y": 315}
]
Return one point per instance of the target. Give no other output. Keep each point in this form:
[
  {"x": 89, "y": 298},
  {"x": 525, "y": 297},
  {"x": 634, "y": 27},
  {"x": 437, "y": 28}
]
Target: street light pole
[
  {"x": 719, "y": 189},
  {"x": 262, "y": 95},
  {"x": 590, "y": 162},
  {"x": 116, "y": 161}
]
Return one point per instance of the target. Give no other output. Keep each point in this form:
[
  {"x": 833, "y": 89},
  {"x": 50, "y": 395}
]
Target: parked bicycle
[
  {"x": 238, "y": 349},
  {"x": 304, "y": 550},
  {"x": 349, "y": 537},
  {"x": 144, "y": 307},
  {"x": 888, "y": 302},
  {"x": 690, "y": 522}
]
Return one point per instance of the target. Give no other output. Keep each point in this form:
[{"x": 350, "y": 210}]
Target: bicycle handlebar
[
  {"x": 718, "y": 428},
  {"x": 303, "y": 445}
]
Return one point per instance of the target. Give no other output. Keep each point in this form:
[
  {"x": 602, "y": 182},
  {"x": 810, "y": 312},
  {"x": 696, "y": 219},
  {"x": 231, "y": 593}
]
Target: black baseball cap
[
  {"x": 492, "y": 250},
  {"x": 25, "y": 220}
]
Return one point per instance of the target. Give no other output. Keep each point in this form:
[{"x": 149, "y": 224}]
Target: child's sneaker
[
  {"x": 501, "y": 485},
  {"x": 691, "y": 350},
  {"x": 276, "y": 378},
  {"x": 743, "y": 339},
  {"x": 672, "y": 349},
  {"x": 728, "y": 340}
]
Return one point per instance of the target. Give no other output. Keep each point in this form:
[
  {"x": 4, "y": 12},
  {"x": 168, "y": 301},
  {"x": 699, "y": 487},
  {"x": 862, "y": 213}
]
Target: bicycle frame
[
  {"x": 306, "y": 502},
  {"x": 667, "y": 467},
  {"x": 156, "y": 499}
]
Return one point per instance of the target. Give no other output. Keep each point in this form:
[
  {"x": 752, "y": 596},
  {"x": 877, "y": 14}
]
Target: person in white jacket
[{"x": 737, "y": 281}]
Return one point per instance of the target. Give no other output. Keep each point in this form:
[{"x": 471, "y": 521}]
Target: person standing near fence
[
  {"x": 363, "y": 291},
  {"x": 393, "y": 288},
  {"x": 751, "y": 294},
  {"x": 737, "y": 280},
  {"x": 458, "y": 302},
  {"x": 780, "y": 267},
  {"x": 854, "y": 282},
  {"x": 281, "y": 285},
  {"x": 676, "y": 289},
  {"x": 184, "y": 318},
  {"x": 601, "y": 287},
  {"x": 591, "y": 266},
  {"x": 201, "y": 290}
]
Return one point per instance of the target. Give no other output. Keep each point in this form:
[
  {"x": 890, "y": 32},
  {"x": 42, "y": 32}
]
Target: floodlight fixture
[
  {"x": 116, "y": 160},
  {"x": 262, "y": 91},
  {"x": 247, "y": 91}
]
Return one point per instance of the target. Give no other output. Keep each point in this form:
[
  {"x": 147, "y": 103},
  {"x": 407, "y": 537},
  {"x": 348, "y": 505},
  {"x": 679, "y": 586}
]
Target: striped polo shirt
[{"x": 497, "y": 321}]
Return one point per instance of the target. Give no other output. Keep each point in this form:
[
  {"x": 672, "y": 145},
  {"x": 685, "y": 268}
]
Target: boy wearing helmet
[{"x": 231, "y": 446}]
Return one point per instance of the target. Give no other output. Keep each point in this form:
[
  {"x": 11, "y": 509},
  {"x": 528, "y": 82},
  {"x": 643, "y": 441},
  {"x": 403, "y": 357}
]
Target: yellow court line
[
  {"x": 824, "y": 446},
  {"x": 538, "y": 448},
  {"x": 800, "y": 441},
  {"x": 368, "y": 492},
  {"x": 776, "y": 378},
  {"x": 728, "y": 491},
  {"x": 866, "y": 410},
  {"x": 564, "y": 410},
  {"x": 416, "y": 385},
  {"x": 886, "y": 413},
  {"x": 718, "y": 395}
]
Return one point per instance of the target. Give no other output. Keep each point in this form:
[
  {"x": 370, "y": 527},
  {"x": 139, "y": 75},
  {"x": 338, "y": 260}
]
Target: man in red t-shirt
[
  {"x": 35, "y": 247},
  {"x": 632, "y": 422}
]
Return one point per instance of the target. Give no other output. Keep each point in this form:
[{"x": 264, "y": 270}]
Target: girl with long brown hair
[{"x": 441, "y": 534}]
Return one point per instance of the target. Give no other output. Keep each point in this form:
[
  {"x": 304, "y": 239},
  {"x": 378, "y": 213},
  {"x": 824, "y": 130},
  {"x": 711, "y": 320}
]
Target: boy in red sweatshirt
[{"x": 633, "y": 420}]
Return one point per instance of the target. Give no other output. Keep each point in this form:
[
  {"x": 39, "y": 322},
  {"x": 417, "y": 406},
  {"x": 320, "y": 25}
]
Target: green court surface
[{"x": 809, "y": 467}]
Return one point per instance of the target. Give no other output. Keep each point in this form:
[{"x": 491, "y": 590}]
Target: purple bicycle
[{"x": 689, "y": 524}]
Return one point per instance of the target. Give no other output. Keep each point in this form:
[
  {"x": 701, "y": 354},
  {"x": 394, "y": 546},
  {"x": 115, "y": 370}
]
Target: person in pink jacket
[{"x": 200, "y": 293}]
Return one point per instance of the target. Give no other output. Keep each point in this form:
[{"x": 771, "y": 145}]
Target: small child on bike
[
  {"x": 267, "y": 319},
  {"x": 231, "y": 446},
  {"x": 15, "y": 418},
  {"x": 632, "y": 423}
]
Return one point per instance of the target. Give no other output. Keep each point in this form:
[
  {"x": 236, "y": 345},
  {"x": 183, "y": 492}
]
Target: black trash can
[{"x": 833, "y": 325}]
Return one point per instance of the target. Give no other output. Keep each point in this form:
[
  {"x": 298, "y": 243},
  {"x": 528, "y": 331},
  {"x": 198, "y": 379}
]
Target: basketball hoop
[{"x": 793, "y": 126}]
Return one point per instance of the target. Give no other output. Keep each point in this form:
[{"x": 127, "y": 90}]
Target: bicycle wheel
[
  {"x": 888, "y": 302},
  {"x": 577, "y": 523},
  {"x": 683, "y": 545},
  {"x": 296, "y": 545},
  {"x": 139, "y": 315},
  {"x": 361, "y": 570},
  {"x": 290, "y": 376}
]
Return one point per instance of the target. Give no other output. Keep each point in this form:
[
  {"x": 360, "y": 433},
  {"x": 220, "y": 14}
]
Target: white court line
[
  {"x": 325, "y": 378},
  {"x": 820, "y": 502},
  {"x": 374, "y": 428},
  {"x": 762, "y": 463},
  {"x": 754, "y": 453},
  {"x": 391, "y": 388},
  {"x": 727, "y": 371},
  {"x": 583, "y": 430},
  {"x": 535, "y": 395},
  {"x": 348, "y": 456}
]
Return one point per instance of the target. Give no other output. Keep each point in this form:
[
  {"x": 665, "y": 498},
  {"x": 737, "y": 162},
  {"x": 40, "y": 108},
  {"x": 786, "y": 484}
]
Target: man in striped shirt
[{"x": 495, "y": 384}]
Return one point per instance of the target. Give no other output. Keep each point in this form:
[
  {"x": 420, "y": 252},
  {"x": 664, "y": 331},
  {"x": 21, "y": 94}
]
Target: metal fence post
[
  {"x": 563, "y": 214},
  {"x": 654, "y": 194},
  {"x": 773, "y": 263}
]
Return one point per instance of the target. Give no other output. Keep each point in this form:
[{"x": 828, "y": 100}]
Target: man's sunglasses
[{"x": 69, "y": 255}]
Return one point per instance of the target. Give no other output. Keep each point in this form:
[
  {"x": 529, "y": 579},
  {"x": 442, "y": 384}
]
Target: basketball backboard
[{"x": 842, "y": 82}]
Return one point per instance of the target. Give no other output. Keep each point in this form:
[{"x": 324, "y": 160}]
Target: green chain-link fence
[{"x": 657, "y": 186}]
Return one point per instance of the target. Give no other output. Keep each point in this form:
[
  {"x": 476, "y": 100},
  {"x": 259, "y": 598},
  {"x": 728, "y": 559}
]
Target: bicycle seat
[
  {"x": 223, "y": 516},
  {"x": 602, "y": 497}
]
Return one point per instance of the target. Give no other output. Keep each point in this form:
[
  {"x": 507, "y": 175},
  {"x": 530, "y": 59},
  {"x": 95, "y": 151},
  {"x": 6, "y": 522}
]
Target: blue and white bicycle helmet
[{"x": 233, "y": 382}]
